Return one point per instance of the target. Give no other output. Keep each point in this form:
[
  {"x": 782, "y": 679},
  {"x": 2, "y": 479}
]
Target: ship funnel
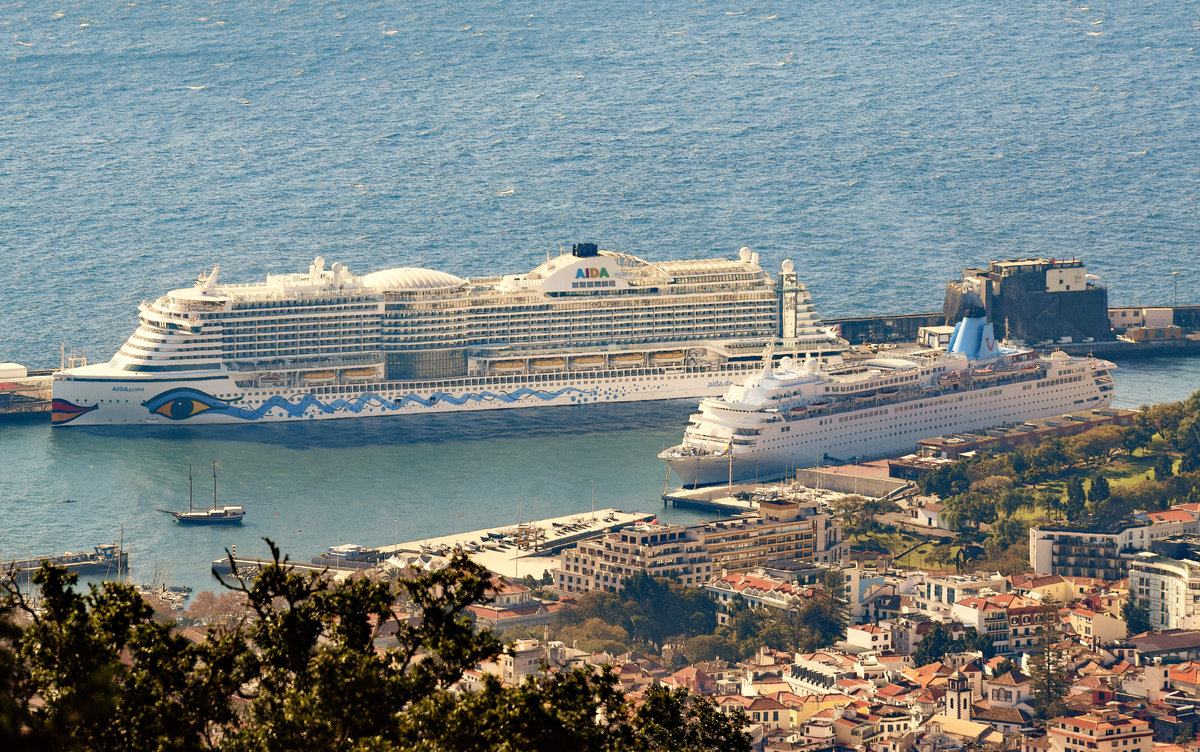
[
  {"x": 208, "y": 283},
  {"x": 975, "y": 338}
]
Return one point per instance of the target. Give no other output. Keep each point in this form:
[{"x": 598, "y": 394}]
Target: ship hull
[
  {"x": 217, "y": 399},
  {"x": 877, "y": 432}
]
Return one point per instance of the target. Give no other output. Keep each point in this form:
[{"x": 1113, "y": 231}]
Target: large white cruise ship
[
  {"x": 805, "y": 414},
  {"x": 587, "y": 327}
]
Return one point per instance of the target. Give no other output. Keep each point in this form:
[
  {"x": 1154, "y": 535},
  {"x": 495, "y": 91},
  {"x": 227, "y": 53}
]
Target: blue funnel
[{"x": 975, "y": 338}]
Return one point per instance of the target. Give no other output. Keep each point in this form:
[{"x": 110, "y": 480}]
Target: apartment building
[
  {"x": 1011, "y": 621},
  {"x": 782, "y": 530},
  {"x": 757, "y": 590},
  {"x": 658, "y": 550},
  {"x": 1102, "y": 730},
  {"x": 1170, "y": 584},
  {"x": 1104, "y": 552}
]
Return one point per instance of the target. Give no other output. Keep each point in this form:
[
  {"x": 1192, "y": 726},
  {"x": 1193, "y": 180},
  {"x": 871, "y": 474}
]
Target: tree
[
  {"x": 1164, "y": 466},
  {"x": 1003, "y": 533},
  {"x": 212, "y": 608},
  {"x": 73, "y": 691},
  {"x": 1099, "y": 490},
  {"x": 939, "y": 641},
  {"x": 106, "y": 676},
  {"x": 1047, "y": 671},
  {"x": 1074, "y": 507},
  {"x": 1003, "y": 667},
  {"x": 933, "y": 646},
  {"x": 1137, "y": 615},
  {"x": 860, "y": 515}
]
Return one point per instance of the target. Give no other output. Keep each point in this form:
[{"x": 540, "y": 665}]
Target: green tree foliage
[
  {"x": 860, "y": 515},
  {"x": 1075, "y": 504},
  {"x": 1048, "y": 675},
  {"x": 970, "y": 510},
  {"x": 93, "y": 671},
  {"x": 1003, "y": 533},
  {"x": 1099, "y": 491},
  {"x": 72, "y": 690},
  {"x": 1136, "y": 614},
  {"x": 1097, "y": 445},
  {"x": 709, "y": 647},
  {"x": 578, "y": 710},
  {"x": 650, "y": 610},
  {"x": 1003, "y": 667},
  {"x": 939, "y": 641},
  {"x": 1164, "y": 466}
]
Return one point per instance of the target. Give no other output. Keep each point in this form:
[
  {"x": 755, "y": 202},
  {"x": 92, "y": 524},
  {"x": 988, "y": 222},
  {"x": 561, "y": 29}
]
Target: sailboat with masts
[{"x": 208, "y": 516}]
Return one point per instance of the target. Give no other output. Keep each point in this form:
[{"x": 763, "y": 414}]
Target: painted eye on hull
[{"x": 181, "y": 404}]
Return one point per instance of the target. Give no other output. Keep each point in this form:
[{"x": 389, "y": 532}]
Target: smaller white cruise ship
[{"x": 805, "y": 414}]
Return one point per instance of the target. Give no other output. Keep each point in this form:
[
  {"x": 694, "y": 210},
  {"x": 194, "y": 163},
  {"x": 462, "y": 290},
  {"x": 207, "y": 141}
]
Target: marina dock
[
  {"x": 23, "y": 394},
  {"x": 108, "y": 560},
  {"x": 514, "y": 550},
  {"x": 520, "y": 549}
]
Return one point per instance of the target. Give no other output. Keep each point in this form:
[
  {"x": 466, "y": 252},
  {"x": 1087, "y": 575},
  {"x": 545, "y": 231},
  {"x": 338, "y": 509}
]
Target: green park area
[{"x": 1095, "y": 479}]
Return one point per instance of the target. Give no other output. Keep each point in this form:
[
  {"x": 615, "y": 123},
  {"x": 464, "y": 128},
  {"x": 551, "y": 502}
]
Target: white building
[
  {"x": 782, "y": 530},
  {"x": 939, "y": 592},
  {"x": 1103, "y": 553},
  {"x": 870, "y": 636},
  {"x": 527, "y": 657},
  {"x": 757, "y": 590},
  {"x": 1170, "y": 586}
]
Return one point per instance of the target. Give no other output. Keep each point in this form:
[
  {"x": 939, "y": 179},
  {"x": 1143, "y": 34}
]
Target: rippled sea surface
[{"x": 881, "y": 147}]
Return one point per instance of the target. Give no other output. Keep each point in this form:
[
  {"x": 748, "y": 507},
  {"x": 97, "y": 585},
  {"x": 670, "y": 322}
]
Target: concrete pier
[
  {"x": 515, "y": 550},
  {"x": 520, "y": 549}
]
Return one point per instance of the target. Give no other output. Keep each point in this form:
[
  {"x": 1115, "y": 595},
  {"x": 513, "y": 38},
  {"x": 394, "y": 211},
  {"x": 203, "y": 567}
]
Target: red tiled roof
[{"x": 1171, "y": 515}]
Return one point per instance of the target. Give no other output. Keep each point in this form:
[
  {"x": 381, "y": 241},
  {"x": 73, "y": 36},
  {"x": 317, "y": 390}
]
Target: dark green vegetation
[
  {"x": 1136, "y": 614},
  {"x": 1048, "y": 673},
  {"x": 94, "y": 671},
  {"x": 1096, "y": 478},
  {"x": 939, "y": 641},
  {"x": 650, "y": 613}
]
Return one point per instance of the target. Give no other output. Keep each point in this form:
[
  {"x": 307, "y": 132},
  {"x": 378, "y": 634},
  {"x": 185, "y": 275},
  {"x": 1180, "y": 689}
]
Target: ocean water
[{"x": 881, "y": 147}]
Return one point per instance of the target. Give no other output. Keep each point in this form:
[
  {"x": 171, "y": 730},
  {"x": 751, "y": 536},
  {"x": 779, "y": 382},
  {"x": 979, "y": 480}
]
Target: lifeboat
[
  {"x": 627, "y": 358},
  {"x": 548, "y": 364},
  {"x": 508, "y": 365},
  {"x": 359, "y": 374},
  {"x": 313, "y": 376},
  {"x": 270, "y": 379},
  {"x": 669, "y": 356},
  {"x": 587, "y": 361},
  {"x": 888, "y": 391},
  {"x": 798, "y": 409}
]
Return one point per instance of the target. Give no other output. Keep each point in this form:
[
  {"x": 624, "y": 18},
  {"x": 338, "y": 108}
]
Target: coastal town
[
  {"x": 1024, "y": 585},
  {"x": 1032, "y": 596}
]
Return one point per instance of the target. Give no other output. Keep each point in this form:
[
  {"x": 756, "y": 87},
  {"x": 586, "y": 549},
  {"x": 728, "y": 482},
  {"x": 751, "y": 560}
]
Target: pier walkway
[
  {"x": 513, "y": 550},
  {"x": 526, "y": 548}
]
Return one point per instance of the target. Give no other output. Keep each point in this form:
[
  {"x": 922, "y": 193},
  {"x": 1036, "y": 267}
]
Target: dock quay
[
  {"x": 108, "y": 560},
  {"x": 249, "y": 567},
  {"x": 514, "y": 550},
  {"x": 24, "y": 394},
  {"x": 522, "y": 548}
]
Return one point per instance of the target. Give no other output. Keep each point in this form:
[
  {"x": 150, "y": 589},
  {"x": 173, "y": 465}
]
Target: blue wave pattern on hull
[{"x": 184, "y": 403}]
